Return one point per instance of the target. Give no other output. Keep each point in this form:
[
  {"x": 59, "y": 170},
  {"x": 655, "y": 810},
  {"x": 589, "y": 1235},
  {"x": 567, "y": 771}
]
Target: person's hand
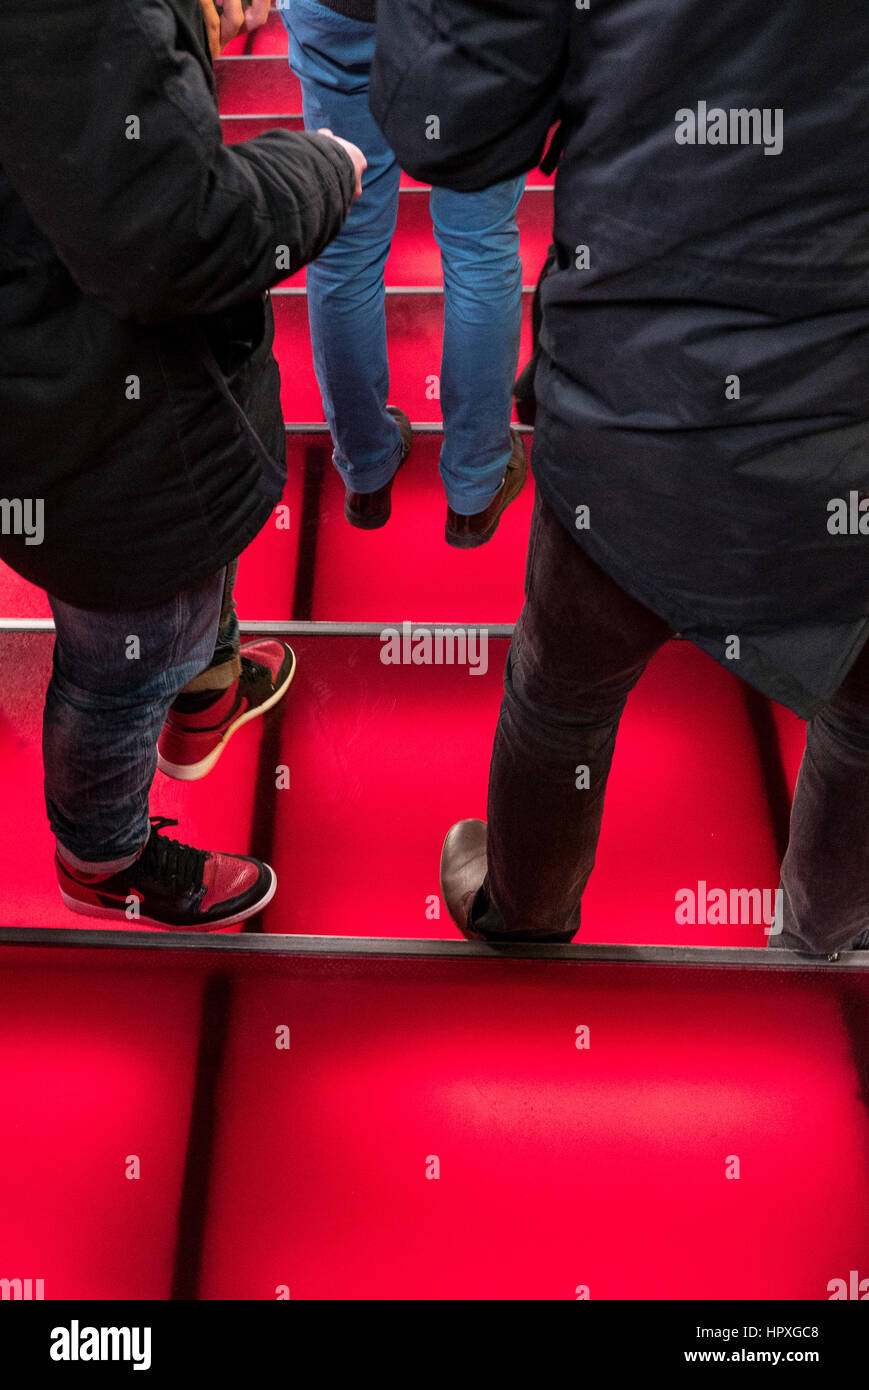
[
  {"x": 231, "y": 18},
  {"x": 256, "y": 14},
  {"x": 360, "y": 163}
]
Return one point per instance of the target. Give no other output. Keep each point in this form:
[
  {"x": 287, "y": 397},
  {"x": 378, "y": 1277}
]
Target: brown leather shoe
[
  {"x": 370, "y": 510},
  {"x": 463, "y": 869},
  {"x": 464, "y": 532}
]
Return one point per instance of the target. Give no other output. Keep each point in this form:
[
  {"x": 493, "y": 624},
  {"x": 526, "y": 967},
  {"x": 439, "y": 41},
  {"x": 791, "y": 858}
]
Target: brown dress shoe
[
  {"x": 370, "y": 510},
  {"x": 463, "y": 869},
  {"x": 464, "y": 532}
]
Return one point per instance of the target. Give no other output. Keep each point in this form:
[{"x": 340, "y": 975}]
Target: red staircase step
[
  {"x": 415, "y": 335},
  {"x": 383, "y": 759},
  {"x": 98, "y": 1069},
  {"x": 415, "y": 258},
  {"x": 404, "y": 1081},
  {"x": 248, "y": 85},
  {"x": 406, "y": 567},
  {"x": 557, "y": 1167},
  {"x": 238, "y": 128}
]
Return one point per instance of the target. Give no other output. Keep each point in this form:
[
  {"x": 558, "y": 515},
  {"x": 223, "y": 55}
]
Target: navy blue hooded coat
[{"x": 703, "y": 388}]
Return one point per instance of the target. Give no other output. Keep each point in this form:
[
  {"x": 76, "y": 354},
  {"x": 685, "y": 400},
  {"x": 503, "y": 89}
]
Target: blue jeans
[
  {"x": 114, "y": 677},
  {"x": 479, "y": 244}
]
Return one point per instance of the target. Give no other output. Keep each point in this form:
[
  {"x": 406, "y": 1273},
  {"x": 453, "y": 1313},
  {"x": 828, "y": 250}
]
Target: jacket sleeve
[
  {"x": 110, "y": 134},
  {"x": 465, "y": 91}
]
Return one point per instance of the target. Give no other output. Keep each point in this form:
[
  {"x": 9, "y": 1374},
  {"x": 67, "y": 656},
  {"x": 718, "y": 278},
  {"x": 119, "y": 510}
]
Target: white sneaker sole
[
  {"x": 118, "y": 914},
  {"x": 191, "y": 772}
]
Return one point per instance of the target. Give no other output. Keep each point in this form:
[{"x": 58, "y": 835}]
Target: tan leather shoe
[
  {"x": 370, "y": 510},
  {"x": 463, "y": 869},
  {"x": 465, "y": 532}
]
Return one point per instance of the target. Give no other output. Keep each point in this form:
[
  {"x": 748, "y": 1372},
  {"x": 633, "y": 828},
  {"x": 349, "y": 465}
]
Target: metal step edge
[{"x": 272, "y": 943}]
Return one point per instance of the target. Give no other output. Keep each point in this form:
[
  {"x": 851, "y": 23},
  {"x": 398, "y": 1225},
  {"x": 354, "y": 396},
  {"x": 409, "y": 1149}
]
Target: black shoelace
[
  {"x": 253, "y": 671},
  {"x": 170, "y": 862}
]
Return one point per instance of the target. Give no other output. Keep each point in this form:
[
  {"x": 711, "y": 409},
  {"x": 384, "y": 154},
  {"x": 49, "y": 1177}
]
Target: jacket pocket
[
  {"x": 235, "y": 335},
  {"x": 236, "y": 354}
]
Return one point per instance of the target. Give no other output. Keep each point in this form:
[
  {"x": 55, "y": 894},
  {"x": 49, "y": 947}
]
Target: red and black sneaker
[
  {"x": 198, "y": 727},
  {"x": 172, "y": 886}
]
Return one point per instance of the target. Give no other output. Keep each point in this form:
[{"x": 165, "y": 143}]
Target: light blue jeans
[{"x": 479, "y": 244}]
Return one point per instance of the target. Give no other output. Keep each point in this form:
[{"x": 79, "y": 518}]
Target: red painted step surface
[
  {"x": 414, "y": 324},
  {"x": 414, "y": 258},
  {"x": 253, "y": 85},
  {"x": 238, "y": 128},
  {"x": 434, "y": 1132},
  {"x": 407, "y": 568},
  {"x": 98, "y": 1068},
  {"x": 383, "y": 759}
]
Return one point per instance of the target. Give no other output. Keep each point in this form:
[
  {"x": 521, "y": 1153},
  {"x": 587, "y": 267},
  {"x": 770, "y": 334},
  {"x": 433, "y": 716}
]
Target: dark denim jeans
[
  {"x": 580, "y": 646},
  {"x": 114, "y": 677}
]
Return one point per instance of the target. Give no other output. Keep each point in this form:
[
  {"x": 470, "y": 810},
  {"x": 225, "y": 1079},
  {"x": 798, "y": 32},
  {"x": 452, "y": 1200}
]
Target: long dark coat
[{"x": 704, "y": 383}]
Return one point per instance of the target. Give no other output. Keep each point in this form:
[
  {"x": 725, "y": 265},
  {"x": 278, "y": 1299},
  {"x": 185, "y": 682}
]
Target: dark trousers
[{"x": 580, "y": 646}]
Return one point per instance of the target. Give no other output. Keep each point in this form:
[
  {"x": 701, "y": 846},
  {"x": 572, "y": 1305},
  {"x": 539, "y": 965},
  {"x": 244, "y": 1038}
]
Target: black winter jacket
[
  {"x": 704, "y": 381},
  {"x": 138, "y": 391}
]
